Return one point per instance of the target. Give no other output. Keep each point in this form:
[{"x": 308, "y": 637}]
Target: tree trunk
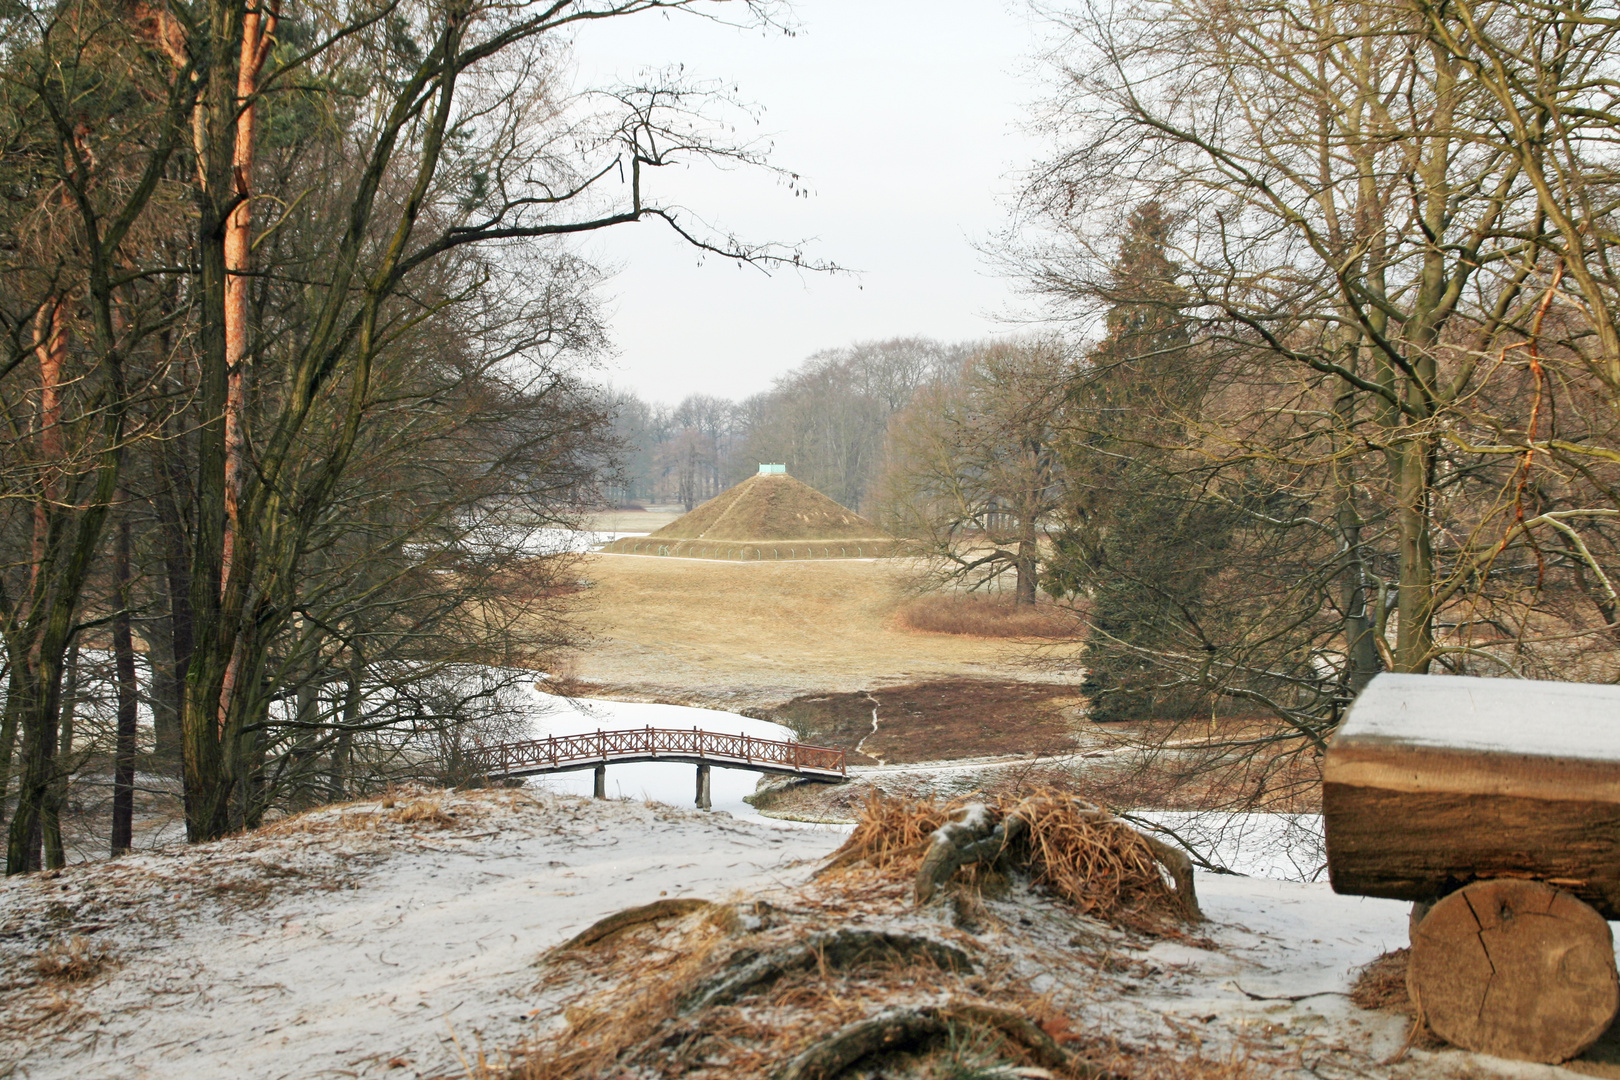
[
  {"x": 8, "y": 730},
  {"x": 206, "y": 775},
  {"x": 168, "y": 694},
  {"x": 1360, "y": 649},
  {"x": 57, "y": 792},
  {"x": 163, "y": 689},
  {"x": 123, "y": 809},
  {"x": 341, "y": 751},
  {"x": 37, "y": 719},
  {"x": 1414, "y": 636},
  {"x": 1028, "y": 564},
  {"x": 221, "y": 568}
]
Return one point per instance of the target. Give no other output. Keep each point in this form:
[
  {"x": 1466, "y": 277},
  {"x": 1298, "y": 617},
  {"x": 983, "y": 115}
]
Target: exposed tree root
[
  {"x": 636, "y": 916},
  {"x": 901, "y": 1029},
  {"x": 890, "y": 1030},
  {"x": 972, "y": 836},
  {"x": 838, "y": 950}
]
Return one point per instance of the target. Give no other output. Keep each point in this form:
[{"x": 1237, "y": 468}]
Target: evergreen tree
[{"x": 1140, "y": 541}]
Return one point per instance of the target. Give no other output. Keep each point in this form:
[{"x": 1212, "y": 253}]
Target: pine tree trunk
[
  {"x": 57, "y": 794},
  {"x": 123, "y": 809},
  {"x": 8, "y": 731}
]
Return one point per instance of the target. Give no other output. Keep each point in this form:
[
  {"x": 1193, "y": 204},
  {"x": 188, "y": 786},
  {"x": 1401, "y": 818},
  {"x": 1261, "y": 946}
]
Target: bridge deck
[{"x": 565, "y": 753}]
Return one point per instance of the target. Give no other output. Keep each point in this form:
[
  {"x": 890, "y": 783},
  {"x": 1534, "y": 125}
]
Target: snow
[
  {"x": 1518, "y": 716},
  {"x": 346, "y": 943},
  {"x": 548, "y": 541},
  {"x": 380, "y": 942},
  {"x": 1283, "y": 847},
  {"x": 388, "y": 949}
]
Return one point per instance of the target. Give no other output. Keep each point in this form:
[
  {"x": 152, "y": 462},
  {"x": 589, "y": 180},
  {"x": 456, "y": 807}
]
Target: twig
[
  {"x": 1411, "y": 1038},
  {"x": 1286, "y": 997}
]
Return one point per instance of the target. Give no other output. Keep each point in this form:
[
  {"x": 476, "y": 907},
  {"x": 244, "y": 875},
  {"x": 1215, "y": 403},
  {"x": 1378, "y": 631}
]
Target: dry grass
[
  {"x": 890, "y": 831},
  {"x": 423, "y": 812},
  {"x": 602, "y": 1029},
  {"x": 74, "y": 960},
  {"x": 745, "y": 633},
  {"x": 772, "y": 989},
  {"x": 1095, "y": 862},
  {"x": 1381, "y": 984},
  {"x": 987, "y": 616}
]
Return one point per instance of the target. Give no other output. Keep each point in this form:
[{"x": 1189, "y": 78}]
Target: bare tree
[
  {"x": 828, "y": 419},
  {"x": 973, "y": 476}
]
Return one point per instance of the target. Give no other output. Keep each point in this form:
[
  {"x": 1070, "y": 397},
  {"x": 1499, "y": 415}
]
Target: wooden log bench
[{"x": 1498, "y": 801}]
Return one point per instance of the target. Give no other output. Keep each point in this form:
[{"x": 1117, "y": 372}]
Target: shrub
[{"x": 982, "y": 615}]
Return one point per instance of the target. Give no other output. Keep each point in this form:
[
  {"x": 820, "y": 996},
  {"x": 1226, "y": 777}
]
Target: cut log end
[{"x": 1518, "y": 969}]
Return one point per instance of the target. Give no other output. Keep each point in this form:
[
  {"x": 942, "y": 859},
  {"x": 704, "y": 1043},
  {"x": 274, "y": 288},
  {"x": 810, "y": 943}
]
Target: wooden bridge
[{"x": 597, "y": 750}]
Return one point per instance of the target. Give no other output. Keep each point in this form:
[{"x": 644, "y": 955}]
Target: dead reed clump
[
  {"x": 1075, "y": 851},
  {"x": 75, "y": 960},
  {"x": 982, "y": 615},
  {"x": 887, "y": 830},
  {"x": 1094, "y": 861}
]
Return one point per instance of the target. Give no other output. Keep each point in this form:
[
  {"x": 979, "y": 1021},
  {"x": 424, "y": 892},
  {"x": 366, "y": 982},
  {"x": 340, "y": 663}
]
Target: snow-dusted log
[
  {"x": 1518, "y": 969},
  {"x": 1433, "y": 781}
]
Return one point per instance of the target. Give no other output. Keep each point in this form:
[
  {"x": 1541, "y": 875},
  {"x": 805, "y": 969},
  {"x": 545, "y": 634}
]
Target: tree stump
[{"x": 1518, "y": 969}]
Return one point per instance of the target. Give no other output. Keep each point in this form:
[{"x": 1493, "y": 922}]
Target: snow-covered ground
[
  {"x": 343, "y": 940},
  {"x": 354, "y": 941}
]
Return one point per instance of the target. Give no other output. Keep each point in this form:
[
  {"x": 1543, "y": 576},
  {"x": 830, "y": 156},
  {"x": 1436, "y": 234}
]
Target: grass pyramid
[{"x": 768, "y": 516}]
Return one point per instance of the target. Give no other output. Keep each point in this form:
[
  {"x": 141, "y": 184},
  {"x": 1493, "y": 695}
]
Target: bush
[{"x": 983, "y": 615}]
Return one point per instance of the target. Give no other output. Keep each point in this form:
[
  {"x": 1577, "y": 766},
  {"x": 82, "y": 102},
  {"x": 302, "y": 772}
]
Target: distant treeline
[{"x": 827, "y": 420}]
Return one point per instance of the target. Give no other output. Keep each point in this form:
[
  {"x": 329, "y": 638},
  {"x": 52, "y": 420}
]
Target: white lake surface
[{"x": 672, "y": 782}]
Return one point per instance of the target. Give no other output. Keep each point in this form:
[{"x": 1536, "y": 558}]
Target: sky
[{"x": 903, "y": 117}]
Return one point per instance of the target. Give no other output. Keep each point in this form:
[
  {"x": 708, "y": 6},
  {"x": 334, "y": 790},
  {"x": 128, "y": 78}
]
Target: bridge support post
[
  {"x": 601, "y": 781},
  {"x": 703, "y": 787}
]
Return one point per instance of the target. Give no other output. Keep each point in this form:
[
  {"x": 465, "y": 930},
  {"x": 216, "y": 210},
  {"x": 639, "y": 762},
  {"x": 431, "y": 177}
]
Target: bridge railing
[{"x": 651, "y": 742}]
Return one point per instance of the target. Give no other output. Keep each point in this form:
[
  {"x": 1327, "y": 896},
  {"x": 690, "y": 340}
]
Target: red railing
[{"x": 651, "y": 744}]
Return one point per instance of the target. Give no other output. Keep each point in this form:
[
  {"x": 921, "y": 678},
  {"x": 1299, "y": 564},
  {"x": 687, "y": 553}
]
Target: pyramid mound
[
  {"x": 768, "y": 516},
  {"x": 770, "y": 507}
]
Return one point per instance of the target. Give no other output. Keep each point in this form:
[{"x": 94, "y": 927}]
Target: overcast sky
[{"x": 902, "y": 116}]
